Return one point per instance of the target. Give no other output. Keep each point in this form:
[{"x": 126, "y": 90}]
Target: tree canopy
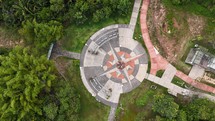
[
  {"x": 41, "y": 35},
  {"x": 29, "y": 89},
  {"x": 200, "y": 109},
  {"x": 14, "y": 12},
  {"x": 24, "y": 78},
  {"x": 165, "y": 106}
]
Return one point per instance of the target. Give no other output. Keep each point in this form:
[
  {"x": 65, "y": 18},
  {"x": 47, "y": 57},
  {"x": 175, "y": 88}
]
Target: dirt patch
[
  {"x": 196, "y": 24},
  {"x": 175, "y": 24},
  {"x": 9, "y": 39},
  {"x": 208, "y": 78},
  {"x": 6, "y": 43},
  {"x": 62, "y": 64},
  {"x": 172, "y": 30}
]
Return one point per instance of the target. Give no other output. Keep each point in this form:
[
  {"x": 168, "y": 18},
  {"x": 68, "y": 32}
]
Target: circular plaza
[{"x": 112, "y": 63}]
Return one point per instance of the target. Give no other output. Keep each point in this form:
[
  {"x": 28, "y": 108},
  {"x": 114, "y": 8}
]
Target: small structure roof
[
  {"x": 212, "y": 63},
  {"x": 199, "y": 57},
  {"x": 190, "y": 56}
]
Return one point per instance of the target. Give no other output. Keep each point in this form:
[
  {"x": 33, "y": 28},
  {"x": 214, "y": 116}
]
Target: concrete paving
[
  {"x": 169, "y": 73},
  {"x": 134, "y": 15},
  {"x": 59, "y": 52},
  {"x": 196, "y": 72},
  {"x": 175, "y": 90},
  {"x": 111, "y": 115}
]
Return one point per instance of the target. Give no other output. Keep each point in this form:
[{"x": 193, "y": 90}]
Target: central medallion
[{"x": 120, "y": 65}]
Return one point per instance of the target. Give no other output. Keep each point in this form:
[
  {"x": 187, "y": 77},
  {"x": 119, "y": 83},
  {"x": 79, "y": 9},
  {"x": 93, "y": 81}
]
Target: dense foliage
[
  {"x": 23, "y": 78},
  {"x": 14, "y": 12},
  {"x": 42, "y": 20},
  {"x": 64, "y": 105},
  {"x": 41, "y": 35},
  {"x": 165, "y": 106},
  {"x": 200, "y": 109},
  {"x": 28, "y": 89},
  {"x": 166, "y": 109},
  {"x": 208, "y": 4}
]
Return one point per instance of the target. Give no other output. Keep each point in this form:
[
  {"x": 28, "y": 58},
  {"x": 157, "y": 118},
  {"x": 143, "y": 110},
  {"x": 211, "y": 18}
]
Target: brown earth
[
  {"x": 5, "y": 43},
  {"x": 62, "y": 64},
  {"x": 8, "y": 39},
  {"x": 169, "y": 43}
]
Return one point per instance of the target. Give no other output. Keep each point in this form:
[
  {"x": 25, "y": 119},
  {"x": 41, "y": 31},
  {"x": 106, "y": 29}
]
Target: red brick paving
[
  {"x": 157, "y": 61},
  {"x": 130, "y": 63}
]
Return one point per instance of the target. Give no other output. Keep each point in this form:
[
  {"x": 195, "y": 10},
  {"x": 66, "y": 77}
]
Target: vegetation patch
[
  {"x": 177, "y": 81},
  {"x": 138, "y": 101},
  {"x": 91, "y": 109},
  {"x": 160, "y": 73}
]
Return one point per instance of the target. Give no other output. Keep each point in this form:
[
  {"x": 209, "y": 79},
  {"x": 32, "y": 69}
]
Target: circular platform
[{"x": 112, "y": 63}]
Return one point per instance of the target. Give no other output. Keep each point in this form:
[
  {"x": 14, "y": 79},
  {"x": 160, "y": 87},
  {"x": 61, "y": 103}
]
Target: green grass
[
  {"x": 77, "y": 35},
  {"x": 9, "y": 33},
  {"x": 138, "y": 100},
  {"x": 191, "y": 7},
  {"x": 179, "y": 82},
  {"x": 180, "y": 63},
  {"x": 91, "y": 110},
  {"x": 160, "y": 73},
  {"x": 208, "y": 36}
]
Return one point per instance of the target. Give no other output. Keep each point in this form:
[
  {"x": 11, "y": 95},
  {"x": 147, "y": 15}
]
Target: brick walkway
[{"x": 157, "y": 61}]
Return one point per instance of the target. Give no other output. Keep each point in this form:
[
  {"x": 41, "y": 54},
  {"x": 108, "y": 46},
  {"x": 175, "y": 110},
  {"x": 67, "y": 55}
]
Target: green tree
[
  {"x": 200, "y": 109},
  {"x": 165, "y": 106},
  {"x": 56, "y": 5},
  {"x": 123, "y": 6},
  {"x": 69, "y": 102},
  {"x": 182, "y": 116},
  {"x": 41, "y": 34},
  {"x": 24, "y": 81},
  {"x": 51, "y": 110}
]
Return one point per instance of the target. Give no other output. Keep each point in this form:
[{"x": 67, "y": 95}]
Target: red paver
[
  {"x": 157, "y": 61},
  {"x": 130, "y": 63}
]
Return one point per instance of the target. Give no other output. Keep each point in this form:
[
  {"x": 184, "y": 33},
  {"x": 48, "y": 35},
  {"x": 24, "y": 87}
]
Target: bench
[{"x": 102, "y": 40}]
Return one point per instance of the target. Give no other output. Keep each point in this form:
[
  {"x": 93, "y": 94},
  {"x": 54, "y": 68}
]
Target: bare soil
[
  {"x": 62, "y": 64},
  {"x": 8, "y": 39},
  {"x": 5, "y": 43},
  {"x": 171, "y": 43}
]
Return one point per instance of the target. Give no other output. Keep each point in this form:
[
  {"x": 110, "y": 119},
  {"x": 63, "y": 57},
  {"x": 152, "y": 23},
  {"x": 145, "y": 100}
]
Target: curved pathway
[{"x": 157, "y": 61}]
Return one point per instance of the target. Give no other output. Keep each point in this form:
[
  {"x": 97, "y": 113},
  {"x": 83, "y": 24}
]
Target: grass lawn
[
  {"x": 180, "y": 63},
  {"x": 138, "y": 100},
  {"x": 179, "y": 82},
  {"x": 77, "y": 35},
  {"x": 9, "y": 33},
  {"x": 91, "y": 110},
  {"x": 160, "y": 73}
]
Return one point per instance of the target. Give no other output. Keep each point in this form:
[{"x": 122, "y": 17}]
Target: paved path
[
  {"x": 111, "y": 116},
  {"x": 196, "y": 72},
  {"x": 134, "y": 15},
  {"x": 157, "y": 61},
  {"x": 169, "y": 73},
  {"x": 174, "y": 89}
]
